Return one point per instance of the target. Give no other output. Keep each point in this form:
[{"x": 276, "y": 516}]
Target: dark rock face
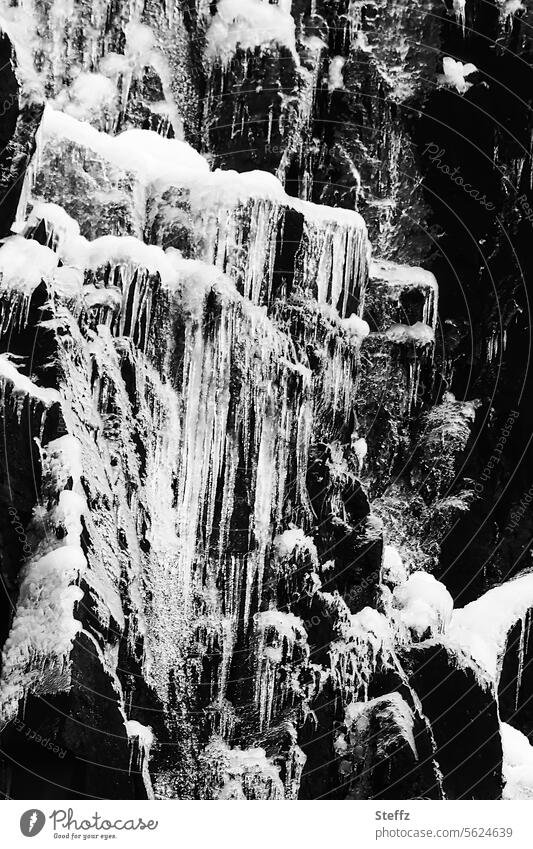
[
  {"x": 236, "y": 450},
  {"x": 464, "y": 722},
  {"x": 19, "y": 120}
]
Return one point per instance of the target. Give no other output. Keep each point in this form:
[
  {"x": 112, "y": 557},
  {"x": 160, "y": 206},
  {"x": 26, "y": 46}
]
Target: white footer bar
[{"x": 242, "y": 825}]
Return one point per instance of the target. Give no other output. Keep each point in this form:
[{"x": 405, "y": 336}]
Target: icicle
[
  {"x": 522, "y": 649},
  {"x": 141, "y": 739},
  {"x": 239, "y": 773},
  {"x": 281, "y": 641},
  {"x": 366, "y": 644},
  {"x": 332, "y": 259},
  {"x": 459, "y": 7}
]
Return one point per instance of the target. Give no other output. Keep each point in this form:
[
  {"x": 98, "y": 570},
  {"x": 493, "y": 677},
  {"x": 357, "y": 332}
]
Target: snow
[
  {"x": 511, "y": 7},
  {"x": 517, "y": 763},
  {"x": 281, "y": 639},
  {"x": 143, "y": 733},
  {"x": 241, "y": 773},
  {"x": 117, "y": 250},
  {"x": 36, "y": 652},
  {"x": 64, "y": 227},
  {"x": 78, "y": 253},
  {"x": 418, "y": 334},
  {"x": 158, "y": 160},
  {"x": 393, "y": 570},
  {"x": 355, "y": 327},
  {"x": 238, "y": 214},
  {"x": 290, "y": 540},
  {"x": 424, "y": 604},
  {"x": 455, "y": 73},
  {"x": 398, "y": 279},
  {"x": 365, "y": 643},
  {"x": 22, "y": 387},
  {"x": 24, "y": 263},
  {"x": 89, "y": 96},
  {"x": 43, "y": 622},
  {"x": 145, "y": 153},
  {"x": 223, "y": 189},
  {"x": 459, "y": 7},
  {"x": 360, "y": 450},
  {"x": 68, "y": 282},
  {"x": 18, "y": 23},
  {"x": 141, "y": 739},
  {"x": 316, "y": 213},
  {"x": 335, "y": 77},
  {"x": 393, "y": 715},
  {"x": 247, "y": 24},
  {"x": 479, "y": 630},
  {"x": 334, "y": 255},
  {"x": 410, "y": 276},
  {"x": 286, "y": 625}
]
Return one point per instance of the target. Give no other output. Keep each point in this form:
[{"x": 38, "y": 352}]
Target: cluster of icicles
[{"x": 221, "y": 395}]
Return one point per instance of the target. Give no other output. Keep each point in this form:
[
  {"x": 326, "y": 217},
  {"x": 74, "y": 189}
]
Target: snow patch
[
  {"x": 355, "y": 327},
  {"x": 24, "y": 263},
  {"x": 517, "y": 763},
  {"x": 335, "y": 77},
  {"x": 286, "y": 543},
  {"x": 479, "y": 630},
  {"x": 455, "y": 73},
  {"x": 247, "y": 24},
  {"x": 393, "y": 570},
  {"x": 418, "y": 334},
  {"x": 424, "y": 604}
]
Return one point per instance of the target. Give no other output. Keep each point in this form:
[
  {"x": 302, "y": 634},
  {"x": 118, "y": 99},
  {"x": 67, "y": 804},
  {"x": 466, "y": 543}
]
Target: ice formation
[
  {"x": 365, "y": 644},
  {"x": 36, "y": 654},
  {"x": 219, "y": 350}
]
